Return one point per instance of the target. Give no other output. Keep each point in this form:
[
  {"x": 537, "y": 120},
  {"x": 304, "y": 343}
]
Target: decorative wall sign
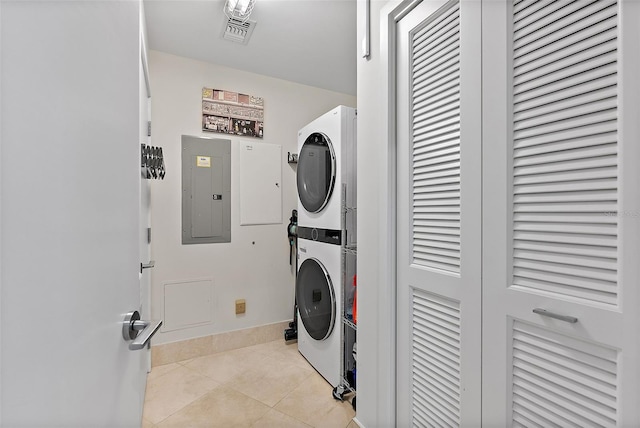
[{"x": 229, "y": 112}]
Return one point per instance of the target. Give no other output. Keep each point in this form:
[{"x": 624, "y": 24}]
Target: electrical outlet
[{"x": 241, "y": 306}]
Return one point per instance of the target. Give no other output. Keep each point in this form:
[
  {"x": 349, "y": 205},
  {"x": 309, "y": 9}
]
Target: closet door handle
[{"x": 553, "y": 315}]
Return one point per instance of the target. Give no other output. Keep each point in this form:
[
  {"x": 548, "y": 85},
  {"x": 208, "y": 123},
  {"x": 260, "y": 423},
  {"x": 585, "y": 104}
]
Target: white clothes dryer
[
  {"x": 326, "y": 161},
  {"x": 319, "y": 298}
]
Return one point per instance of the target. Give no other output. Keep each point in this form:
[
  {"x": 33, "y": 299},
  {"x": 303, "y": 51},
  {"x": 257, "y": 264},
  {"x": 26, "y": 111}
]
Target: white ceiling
[{"x": 312, "y": 42}]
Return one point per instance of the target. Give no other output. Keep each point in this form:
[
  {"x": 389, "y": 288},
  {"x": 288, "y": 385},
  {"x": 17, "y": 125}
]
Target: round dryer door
[
  {"x": 316, "y": 299},
  {"x": 316, "y": 172}
]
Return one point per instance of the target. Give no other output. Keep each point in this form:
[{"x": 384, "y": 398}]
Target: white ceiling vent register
[{"x": 237, "y": 31}]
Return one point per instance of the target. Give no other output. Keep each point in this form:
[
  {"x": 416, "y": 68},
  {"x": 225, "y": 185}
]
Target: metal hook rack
[{"x": 152, "y": 162}]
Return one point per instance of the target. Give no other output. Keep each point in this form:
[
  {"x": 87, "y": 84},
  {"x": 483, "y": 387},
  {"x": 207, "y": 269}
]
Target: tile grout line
[
  {"x": 291, "y": 390},
  {"x": 191, "y": 401},
  {"x": 185, "y": 406}
]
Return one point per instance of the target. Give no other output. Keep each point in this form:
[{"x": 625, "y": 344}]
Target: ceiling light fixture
[{"x": 239, "y": 9}]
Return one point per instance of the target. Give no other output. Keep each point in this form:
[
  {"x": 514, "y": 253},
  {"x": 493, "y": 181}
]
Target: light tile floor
[{"x": 267, "y": 385}]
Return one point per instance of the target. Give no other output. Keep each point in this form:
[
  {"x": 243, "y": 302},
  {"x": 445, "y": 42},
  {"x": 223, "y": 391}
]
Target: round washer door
[
  {"x": 316, "y": 172},
  {"x": 316, "y": 299}
]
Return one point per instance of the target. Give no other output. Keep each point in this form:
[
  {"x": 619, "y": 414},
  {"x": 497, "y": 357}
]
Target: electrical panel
[{"x": 206, "y": 190}]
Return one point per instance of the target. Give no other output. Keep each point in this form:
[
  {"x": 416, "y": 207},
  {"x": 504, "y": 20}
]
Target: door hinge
[{"x": 149, "y": 129}]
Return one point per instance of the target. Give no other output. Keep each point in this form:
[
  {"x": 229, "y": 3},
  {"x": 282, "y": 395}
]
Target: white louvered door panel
[
  {"x": 438, "y": 225},
  {"x": 435, "y": 361},
  {"x": 560, "y": 163},
  {"x": 563, "y": 242},
  {"x": 559, "y": 380}
]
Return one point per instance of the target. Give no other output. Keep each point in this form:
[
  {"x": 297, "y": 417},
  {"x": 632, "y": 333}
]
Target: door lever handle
[
  {"x": 138, "y": 330},
  {"x": 553, "y": 315},
  {"x": 149, "y": 265},
  {"x": 150, "y": 328}
]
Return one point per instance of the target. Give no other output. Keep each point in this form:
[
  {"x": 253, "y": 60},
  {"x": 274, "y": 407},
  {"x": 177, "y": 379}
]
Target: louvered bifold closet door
[
  {"x": 435, "y": 83},
  {"x": 438, "y": 246},
  {"x": 565, "y": 151},
  {"x": 567, "y": 314}
]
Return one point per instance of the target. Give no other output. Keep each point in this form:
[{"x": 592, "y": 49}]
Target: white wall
[
  {"x": 376, "y": 217},
  {"x": 259, "y": 273}
]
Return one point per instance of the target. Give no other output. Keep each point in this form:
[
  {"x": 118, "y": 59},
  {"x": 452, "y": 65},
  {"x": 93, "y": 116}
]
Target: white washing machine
[
  {"x": 326, "y": 160},
  {"x": 319, "y": 298}
]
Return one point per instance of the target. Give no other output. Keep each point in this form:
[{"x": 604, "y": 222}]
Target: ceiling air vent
[{"x": 238, "y": 31}]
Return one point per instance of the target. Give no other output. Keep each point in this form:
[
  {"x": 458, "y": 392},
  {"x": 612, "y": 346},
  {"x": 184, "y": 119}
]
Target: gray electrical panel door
[{"x": 206, "y": 190}]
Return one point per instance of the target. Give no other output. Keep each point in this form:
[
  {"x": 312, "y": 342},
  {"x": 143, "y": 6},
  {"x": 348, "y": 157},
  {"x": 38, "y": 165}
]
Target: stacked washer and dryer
[{"x": 326, "y": 178}]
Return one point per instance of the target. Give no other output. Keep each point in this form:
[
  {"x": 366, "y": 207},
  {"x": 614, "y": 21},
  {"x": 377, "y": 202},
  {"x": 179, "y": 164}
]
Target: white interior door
[
  {"x": 561, "y": 213},
  {"x": 438, "y": 217},
  {"x": 70, "y": 220}
]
